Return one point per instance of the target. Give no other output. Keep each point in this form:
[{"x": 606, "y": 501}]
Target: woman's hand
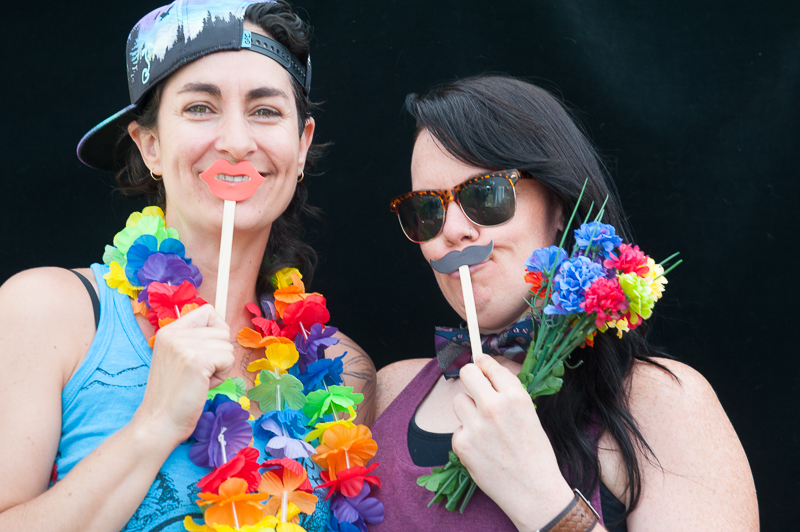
[
  {"x": 190, "y": 356},
  {"x": 505, "y": 449}
]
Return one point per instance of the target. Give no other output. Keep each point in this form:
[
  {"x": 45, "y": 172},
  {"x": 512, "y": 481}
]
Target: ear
[
  {"x": 147, "y": 142},
  {"x": 305, "y": 142}
]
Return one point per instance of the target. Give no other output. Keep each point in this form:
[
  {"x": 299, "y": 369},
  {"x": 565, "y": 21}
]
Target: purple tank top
[{"x": 404, "y": 501}]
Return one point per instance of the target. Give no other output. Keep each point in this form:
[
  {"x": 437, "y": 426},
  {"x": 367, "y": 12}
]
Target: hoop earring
[
  {"x": 154, "y": 177},
  {"x": 302, "y": 176}
]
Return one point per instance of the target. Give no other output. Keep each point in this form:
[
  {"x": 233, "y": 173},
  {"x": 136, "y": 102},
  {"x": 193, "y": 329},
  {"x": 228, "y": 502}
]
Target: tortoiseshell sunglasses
[{"x": 487, "y": 200}]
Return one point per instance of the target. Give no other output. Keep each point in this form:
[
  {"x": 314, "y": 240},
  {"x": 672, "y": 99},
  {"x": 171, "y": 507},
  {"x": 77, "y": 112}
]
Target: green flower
[
  {"x": 273, "y": 392},
  {"x": 639, "y": 292},
  {"x": 334, "y": 399}
]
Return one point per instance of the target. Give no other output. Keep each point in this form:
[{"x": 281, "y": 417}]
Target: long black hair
[
  {"x": 497, "y": 123},
  {"x": 285, "y": 247}
]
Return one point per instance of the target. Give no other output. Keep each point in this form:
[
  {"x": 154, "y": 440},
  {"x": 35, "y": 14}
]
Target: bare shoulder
[
  {"x": 393, "y": 378},
  {"x": 51, "y": 300},
  {"x": 698, "y": 476},
  {"x": 358, "y": 372}
]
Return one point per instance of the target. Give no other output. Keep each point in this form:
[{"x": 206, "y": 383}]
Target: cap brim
[{"x": 99, "y": 147}]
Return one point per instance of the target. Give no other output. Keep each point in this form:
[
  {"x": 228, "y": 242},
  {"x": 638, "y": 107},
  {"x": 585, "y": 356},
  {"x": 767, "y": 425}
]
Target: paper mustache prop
[{"x": 461, "y": 261}]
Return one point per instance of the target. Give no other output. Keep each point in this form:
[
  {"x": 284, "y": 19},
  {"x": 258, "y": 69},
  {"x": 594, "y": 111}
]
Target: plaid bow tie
[{"x": 453, "y": 349}]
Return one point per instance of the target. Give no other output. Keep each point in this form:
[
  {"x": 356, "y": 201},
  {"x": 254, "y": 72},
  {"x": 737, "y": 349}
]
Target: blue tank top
[{"x": 102, "y": 397}]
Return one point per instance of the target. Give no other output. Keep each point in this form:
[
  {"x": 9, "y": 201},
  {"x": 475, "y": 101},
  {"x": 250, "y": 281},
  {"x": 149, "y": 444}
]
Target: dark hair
[
  {"x": 497, "y": 123},
  {"x": 285, "y": 247}
]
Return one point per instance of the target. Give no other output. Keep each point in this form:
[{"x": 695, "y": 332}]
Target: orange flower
[
  {"x": 233, "y": 500},
  {"x": 291, "y": 294},
  {"x": 343, "y": 448},
  {"x": 285, "y": 490}
]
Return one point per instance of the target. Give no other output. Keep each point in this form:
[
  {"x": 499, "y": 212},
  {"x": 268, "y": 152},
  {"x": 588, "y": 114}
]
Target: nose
[
  {"x": 235, "y": 137},
  {"x": 457, "y": 227}
]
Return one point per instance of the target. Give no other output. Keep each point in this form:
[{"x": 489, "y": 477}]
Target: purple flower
[
  {"x": 323, "y": 371},
  {"x": 228, "y": 421},
  {"x": 545, "y": 260},
  {"x": 596, "y": 236},
  {"x": 313, "y": 348},
  {"x": 573, "y": 278},
  {"x": 268, "y": 306},
  {"x": 358, "y": 510},
  {"x": 167, "y": 268},
  {"x": 147, "y": 245},
  {"x": 281, "y": 444}
]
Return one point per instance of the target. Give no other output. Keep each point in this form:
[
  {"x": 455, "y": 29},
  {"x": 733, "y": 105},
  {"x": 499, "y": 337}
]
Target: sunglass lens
[
  {"x": 421, "y": 217},
  {"x": 489, "y": 201}
]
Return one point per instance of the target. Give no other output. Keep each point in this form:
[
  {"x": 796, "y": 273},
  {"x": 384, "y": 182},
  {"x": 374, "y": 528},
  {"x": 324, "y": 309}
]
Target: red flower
[
  {"x": 534, "y": 278},
  {"x": 294, "y": 466},
  {"x": 605, "y": 296},
  {"x": 164, "y": 299},
  {"x": 263, "y": 325},
  {"x": 630, "y": 260},
  {"x": 349, "y": 481},
  {"x": 244, "y": 466},
  {"x": 307, "y": 312}
]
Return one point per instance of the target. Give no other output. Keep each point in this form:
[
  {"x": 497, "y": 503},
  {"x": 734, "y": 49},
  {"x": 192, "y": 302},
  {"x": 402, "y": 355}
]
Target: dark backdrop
[{"x": 694, "y": 105}]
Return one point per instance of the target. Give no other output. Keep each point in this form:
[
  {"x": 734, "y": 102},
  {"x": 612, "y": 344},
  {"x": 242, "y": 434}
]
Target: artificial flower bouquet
[
  {"x": 602, "y": 284},
  {"x": 308, "y": 420}
]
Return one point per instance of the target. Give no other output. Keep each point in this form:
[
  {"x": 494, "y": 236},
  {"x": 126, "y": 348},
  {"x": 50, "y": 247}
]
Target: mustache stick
[
  {"x": 230, "y": 193},
  {"x": 461, "y": 261}
]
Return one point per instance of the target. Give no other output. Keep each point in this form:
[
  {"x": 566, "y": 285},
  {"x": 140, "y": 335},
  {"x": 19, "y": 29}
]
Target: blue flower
[
  {"x": 596, "y": 236},
  {"x": 570, "y": 284},
  {"x": 292, "y": 421},
  {"x": 323, "y": 371},
  {"x": 545, "y": 260},
  {"x": 147, "y": 245}
]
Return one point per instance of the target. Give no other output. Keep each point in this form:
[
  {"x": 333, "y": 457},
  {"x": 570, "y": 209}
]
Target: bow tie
[{"x": 453, "y": 348}]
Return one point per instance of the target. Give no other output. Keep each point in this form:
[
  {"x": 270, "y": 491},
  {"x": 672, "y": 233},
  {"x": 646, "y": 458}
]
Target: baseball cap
[{"x": 168, "y": 38}]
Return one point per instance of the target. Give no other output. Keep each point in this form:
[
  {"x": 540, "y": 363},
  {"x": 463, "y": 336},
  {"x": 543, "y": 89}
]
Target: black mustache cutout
[{"x": 468, "y": 256}]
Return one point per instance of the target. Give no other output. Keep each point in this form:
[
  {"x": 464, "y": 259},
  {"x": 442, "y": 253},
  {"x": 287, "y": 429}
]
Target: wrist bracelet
[{"x": 578, "y": 516}]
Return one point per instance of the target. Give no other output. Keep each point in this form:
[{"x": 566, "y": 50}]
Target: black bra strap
[{"x": 93, "y": 295}]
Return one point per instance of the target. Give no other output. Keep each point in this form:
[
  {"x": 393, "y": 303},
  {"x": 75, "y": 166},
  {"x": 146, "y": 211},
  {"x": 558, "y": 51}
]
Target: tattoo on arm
[{"x": 359, "y": 372}]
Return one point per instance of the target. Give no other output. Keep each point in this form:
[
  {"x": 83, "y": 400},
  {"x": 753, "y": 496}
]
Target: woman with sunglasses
[
  {"x": 642, "y": 436},
  {"x": 96, "y": 421}
]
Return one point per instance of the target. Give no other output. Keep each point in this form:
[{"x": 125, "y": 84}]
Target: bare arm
[
  {"x": 702, "y": 480},
  {"x": 359, "y": 372},
  {"x": 46, "y": 325}
]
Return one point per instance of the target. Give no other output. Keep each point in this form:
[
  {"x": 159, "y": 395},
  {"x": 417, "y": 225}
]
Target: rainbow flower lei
[
  {"x": 602, "y": 284},
  {"x": 297, "y": 388}
]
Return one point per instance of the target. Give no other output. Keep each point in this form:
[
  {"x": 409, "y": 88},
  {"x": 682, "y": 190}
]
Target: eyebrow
[{"x": 254, "y": 94}]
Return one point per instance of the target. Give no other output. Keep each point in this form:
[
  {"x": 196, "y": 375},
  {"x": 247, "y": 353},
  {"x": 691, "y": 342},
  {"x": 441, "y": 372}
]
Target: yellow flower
[
  {"x": 147, "y": 211},
  {"x": 319, "y": 428},
  {"x": 657, "y": 281},
  {"x": 284, "y": 277},
  {"x": 245, "y": 402},
  {"x": 117, "y": 279},
  {"x": 621, "y": 326},
  {"x": 280, "y": 357}
]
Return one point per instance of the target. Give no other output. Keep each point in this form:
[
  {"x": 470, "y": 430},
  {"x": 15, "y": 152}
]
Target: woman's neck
[{"x": 246, "y": 257}]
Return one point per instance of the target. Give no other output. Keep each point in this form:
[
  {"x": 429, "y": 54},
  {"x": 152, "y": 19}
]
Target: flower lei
[
  {"x": 573, "y": 296},
  {"x": 297, "y": 388}
]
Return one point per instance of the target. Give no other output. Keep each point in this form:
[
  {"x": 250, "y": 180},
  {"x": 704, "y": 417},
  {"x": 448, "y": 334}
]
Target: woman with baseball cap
[{"x": 101, "y": 429}]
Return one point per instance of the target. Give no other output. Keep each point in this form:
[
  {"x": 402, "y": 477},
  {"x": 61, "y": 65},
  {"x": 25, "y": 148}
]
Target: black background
[{"x": 693, "y": 104}]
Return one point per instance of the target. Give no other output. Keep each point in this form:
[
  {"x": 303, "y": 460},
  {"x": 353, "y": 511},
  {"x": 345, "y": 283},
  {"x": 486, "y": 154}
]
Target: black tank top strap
[{"x": 93, "y": 295}]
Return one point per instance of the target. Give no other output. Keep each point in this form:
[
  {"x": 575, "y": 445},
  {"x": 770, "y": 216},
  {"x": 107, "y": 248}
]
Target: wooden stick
[
  {"x": 225, "y": 246},
  {"x": 472, "y": 314}
]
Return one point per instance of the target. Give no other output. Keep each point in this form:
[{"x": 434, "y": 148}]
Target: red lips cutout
[{"x": 225, "y": 190}]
